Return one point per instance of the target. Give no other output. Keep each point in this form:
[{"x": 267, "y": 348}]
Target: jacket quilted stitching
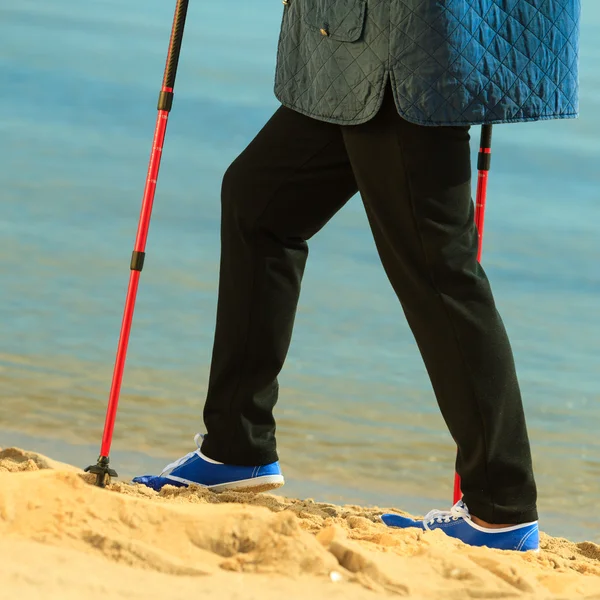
[{"x": 451, "y": 62}]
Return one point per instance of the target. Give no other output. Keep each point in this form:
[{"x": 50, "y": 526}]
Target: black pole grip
[
  {"x": 484, "y": 160},
  {"x": 486, "y": 136},
  {"x": 175, "y": 45}
]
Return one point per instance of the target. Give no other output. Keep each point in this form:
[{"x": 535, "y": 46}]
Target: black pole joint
[
  {"x": 165, "y": 101},
  {"x": 102, "y": 471},
  {"x": 484, "y": 161},
  {"x": 137, "y": 260}
]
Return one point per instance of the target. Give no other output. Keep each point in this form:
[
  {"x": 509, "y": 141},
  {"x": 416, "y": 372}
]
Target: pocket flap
[{"x": 341, "y": 20}]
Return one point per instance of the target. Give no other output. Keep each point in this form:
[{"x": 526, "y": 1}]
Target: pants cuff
[
  {"x": 500, "y": 515},
  {"x": 243, "y": 457}
]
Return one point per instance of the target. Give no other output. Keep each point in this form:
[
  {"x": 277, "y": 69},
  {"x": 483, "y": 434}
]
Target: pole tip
[{"x": 102, "y": 471}]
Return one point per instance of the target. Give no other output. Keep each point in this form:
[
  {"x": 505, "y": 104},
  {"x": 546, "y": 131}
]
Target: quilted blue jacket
[{"x": 450, "y": 62}]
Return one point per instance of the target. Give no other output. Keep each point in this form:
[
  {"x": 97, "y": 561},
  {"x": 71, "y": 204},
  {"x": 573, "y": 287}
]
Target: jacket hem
[
  {"x": 415, "y": 120},
  {"x": 326, "y": 119}
]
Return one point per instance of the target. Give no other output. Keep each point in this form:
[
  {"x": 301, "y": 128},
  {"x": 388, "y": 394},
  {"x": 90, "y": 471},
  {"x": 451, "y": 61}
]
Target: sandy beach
[{"x": 63, "y": 538}]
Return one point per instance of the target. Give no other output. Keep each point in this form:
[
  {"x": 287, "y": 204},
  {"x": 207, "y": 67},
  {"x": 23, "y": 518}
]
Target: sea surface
[{"x": 357, "y": 420}]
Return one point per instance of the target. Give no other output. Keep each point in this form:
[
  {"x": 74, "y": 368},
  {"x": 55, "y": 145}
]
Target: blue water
[{"x": 357, "y": 418}]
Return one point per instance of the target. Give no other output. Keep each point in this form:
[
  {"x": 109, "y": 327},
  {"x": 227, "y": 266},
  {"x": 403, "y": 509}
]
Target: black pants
[{"x": 415, "y": 183}]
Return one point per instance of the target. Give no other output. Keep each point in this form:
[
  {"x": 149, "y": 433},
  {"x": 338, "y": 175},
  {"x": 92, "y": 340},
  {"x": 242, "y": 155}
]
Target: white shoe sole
[{"x": 255, "y": 485}]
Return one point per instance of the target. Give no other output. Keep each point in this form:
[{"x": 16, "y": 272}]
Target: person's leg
[
  {"x": 416, "y": 186},
  {"x": 280, "y": 191}
]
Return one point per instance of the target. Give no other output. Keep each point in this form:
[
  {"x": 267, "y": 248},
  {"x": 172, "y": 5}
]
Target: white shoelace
[
  {"x": 458, "y": 511},
  {"x": 169, "y": 468}
]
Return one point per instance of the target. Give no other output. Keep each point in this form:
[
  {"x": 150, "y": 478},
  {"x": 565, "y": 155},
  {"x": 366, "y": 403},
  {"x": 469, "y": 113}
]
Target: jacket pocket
[{"x": 341, "y": 20}]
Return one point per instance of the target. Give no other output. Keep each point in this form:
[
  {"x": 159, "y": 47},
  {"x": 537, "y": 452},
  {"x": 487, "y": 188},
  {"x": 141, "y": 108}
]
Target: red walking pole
[
  {"x": 102, "y": 469},
  {"x": 483, "y": 167}
]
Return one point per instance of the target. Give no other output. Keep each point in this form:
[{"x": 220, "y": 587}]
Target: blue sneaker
[
  {"x": 195, "y": 468},
  {"x": 457, "y": 523}
]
